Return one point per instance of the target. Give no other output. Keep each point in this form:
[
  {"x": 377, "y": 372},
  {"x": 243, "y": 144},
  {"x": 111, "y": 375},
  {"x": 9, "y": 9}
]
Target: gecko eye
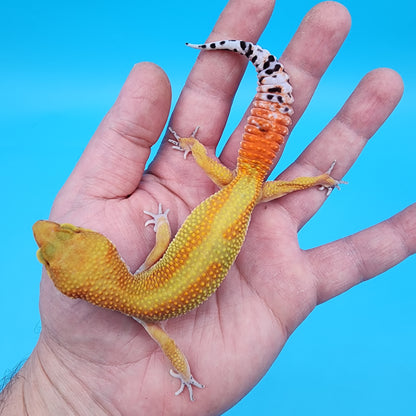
[
  {"x": 41, "y": 258},
  {"x": 64, "y": 234}
]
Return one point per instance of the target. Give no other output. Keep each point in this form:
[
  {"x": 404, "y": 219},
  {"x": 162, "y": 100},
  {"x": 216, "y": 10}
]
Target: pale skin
[{"x": 93, "y": 361}]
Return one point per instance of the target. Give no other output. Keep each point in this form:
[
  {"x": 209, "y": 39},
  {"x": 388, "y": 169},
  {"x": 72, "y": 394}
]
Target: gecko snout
[{"x": 51, "y": 237}]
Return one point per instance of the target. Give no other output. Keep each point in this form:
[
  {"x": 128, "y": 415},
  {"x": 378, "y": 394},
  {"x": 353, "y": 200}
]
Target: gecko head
[
  {"x": 53, "y": 240},
  {"x": 69, "y": 254}
]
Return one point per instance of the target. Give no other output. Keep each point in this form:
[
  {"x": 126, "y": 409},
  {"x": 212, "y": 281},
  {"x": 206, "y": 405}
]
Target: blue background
[{"x": 62, "y": 66}]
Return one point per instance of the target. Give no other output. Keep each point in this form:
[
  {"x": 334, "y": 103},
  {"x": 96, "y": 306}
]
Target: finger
[
  {"x": 354, "y": 259},
  {"x": 312, "y": 48},
  {"x": 209, "y": 90},
  {"x": 113, "y": 162},
  {"x": 344, "y": 138}
]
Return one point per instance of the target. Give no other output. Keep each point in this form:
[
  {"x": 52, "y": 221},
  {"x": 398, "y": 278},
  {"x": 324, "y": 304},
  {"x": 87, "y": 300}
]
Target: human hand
[{"x": 272, "y": 286}]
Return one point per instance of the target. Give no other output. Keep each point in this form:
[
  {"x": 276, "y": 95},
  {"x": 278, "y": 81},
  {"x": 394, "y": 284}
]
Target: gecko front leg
[{"x": 163, "y": 234}]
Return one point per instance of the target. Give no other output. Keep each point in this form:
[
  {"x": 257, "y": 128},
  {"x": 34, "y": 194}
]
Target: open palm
[{"x": 104, "y": 361}]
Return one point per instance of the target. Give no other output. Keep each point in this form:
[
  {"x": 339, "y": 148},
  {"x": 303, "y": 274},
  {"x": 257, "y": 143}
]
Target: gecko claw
[
  {"x": 331, "y": 168},
  {"x": 195, "y": 132},
  {"x": 329, "y": 188},
  {"x": 176, "y": 136},
  {"x": 156, "y": 217},
  {"x": 188, "y": 384}
]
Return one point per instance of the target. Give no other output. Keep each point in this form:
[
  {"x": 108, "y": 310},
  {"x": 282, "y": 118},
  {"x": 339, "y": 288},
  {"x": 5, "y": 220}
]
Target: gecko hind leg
[
  {"x": 276, "y": 189},
  {"x": 215, "y": 170},
  {"x": 174, "y": 354}
]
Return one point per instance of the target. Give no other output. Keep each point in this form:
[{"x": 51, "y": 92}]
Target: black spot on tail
[
  {"x": 275, "y": 89},
  {"x": 249, "y": 51}
]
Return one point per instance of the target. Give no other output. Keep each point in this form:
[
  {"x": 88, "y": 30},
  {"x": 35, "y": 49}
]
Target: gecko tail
[
  {"x": 271, "y": 109},
  {"x": 273, "y": 81},
  {"x": 254, "y": 53}
]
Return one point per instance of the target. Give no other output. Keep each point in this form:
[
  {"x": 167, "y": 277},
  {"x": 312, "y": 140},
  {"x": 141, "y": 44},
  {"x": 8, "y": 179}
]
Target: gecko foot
[
  {"x": 178, "y": 142},
  {"x": 156, "y": 217},
  {"x": 335, "y": 183},
  {"x": 188, "y": 384}
]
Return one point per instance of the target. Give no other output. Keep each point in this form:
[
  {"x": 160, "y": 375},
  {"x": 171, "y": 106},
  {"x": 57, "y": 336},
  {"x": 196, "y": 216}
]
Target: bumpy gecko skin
[{"x": 85, "y": 264}]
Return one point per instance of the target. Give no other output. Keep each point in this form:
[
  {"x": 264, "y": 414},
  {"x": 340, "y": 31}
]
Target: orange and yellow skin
[{"x": 177, "y": 276}]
